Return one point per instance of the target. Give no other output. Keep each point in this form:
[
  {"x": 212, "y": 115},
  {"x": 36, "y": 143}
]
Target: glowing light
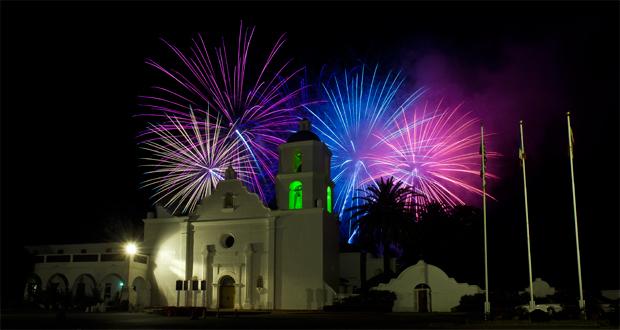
[
  {"x": 329, "y": 199},
  {"x": 295, "y": 195},
  {"x": 130, "y": 249}
]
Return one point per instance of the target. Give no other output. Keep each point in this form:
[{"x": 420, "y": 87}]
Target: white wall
[
  {"x": 299, "y": 264},
  {"x": 445, "y": 291},
  {"x": 162, "y": 238}
]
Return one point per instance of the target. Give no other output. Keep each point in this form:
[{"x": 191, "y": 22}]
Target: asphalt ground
[{"x": 275, "y": 320}]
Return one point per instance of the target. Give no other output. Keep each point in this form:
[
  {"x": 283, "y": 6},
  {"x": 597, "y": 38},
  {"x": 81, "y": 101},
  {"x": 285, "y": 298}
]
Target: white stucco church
[
  {"x": 249, "y": 255},
  {"x": 233, "y": 252}
]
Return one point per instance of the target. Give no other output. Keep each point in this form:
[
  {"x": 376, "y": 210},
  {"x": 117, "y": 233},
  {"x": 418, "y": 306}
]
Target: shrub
[
  {"x": 539, "y": 316},
  {"x": 372, "y": 301}
]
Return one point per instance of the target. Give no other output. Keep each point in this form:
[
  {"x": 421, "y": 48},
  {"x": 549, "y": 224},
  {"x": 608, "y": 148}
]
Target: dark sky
[{"x": 72, "y": 73}]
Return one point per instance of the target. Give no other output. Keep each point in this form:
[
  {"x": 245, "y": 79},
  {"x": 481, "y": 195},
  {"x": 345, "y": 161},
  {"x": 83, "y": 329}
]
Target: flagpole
[
  {"x": 527, "y": 221},
  {"x": 582, "y": 302},
  {"x": 487, "y": 304}
]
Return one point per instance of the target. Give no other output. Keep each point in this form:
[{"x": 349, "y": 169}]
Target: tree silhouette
[
  {"x": 450, "y": 238},
  {"x": 384, "y": 220}
]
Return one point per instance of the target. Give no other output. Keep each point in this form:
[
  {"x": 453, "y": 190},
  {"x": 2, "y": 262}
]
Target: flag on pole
[
  {"x": 572, "y": 141},
  {"x": 483, "y": 152},
  {"x": 521, "y": 156}
]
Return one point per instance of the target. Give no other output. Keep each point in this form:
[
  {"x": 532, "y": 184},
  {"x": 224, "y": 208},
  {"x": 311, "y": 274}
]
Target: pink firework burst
[{"x": 436, "y": 151}]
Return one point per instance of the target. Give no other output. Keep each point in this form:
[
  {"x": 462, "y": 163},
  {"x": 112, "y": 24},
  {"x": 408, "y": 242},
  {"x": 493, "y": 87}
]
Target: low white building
[
  {"x": 426, "y": 288},
  {"x": 102, "y": 269},
  {"x": 232, "y": 252},
  {"x": 541, "y": 288}
]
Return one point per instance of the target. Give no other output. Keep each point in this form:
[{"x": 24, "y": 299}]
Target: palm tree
[{"x": 384, "y": 218}]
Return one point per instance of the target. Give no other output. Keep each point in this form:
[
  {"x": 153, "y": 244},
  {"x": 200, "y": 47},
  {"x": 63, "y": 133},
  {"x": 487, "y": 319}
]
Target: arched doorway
[
  {"x": 422, "y": 297},
  {"x": 33, "y": 288},
  {"x": 85, "y": 291},
  {"x": 58, "y": 283},
  {"x": 58, "y": 289},
  {"x": 226, "y": 297},
  {"x": 113, "y": 290},
  {"x": 141, "y": 296}
]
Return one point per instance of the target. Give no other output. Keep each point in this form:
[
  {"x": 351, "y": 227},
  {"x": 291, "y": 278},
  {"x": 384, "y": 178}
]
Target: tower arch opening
[{"x": 295, "y": 195}]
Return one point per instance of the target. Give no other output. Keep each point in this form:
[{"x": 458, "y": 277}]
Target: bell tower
[{"x": 304, "y": 179}]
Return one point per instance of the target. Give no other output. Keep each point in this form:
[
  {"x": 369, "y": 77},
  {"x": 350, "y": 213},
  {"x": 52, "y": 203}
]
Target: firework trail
[
  {"x": 188, "y": 162},
  {"x": 435, "y": 151},
  {"x": 359, "y": 105},
  {"x": 257, "y": 110}
]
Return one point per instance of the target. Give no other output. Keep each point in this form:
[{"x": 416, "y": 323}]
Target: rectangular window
[
  {"x": 229, "y": 201},
  {"x": 62, "y": 258},
  {"x": 113, "y": 257},
  {"x": 107, "y": 293},
  {"x": 140, "y": 259},
  {"x": 85, "y": 258}
]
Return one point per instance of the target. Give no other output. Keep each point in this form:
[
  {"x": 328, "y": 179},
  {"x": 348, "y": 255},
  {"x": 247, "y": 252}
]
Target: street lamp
[{"x": 130, "y": 249}]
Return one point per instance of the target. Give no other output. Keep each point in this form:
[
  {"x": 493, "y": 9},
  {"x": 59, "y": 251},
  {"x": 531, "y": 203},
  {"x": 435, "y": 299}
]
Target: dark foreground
[{"x": 321, "y": 320}]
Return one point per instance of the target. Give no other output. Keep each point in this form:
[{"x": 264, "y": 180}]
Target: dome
[
  {"x": 304, "y": 133},
  {"x": 303, "y": 136}
]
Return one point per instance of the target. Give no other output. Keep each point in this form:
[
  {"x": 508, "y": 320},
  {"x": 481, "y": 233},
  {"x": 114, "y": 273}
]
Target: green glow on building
[{"x": 295, "y": 195}]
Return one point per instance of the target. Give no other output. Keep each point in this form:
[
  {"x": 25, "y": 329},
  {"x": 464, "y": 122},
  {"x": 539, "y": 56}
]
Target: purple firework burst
[{"x": 256, "y": 105}]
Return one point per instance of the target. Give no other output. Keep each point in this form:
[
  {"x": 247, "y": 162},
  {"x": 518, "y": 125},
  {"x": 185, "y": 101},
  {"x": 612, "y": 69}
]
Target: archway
[
  {"x": 113, "y": 289},
  {"x": 226, "y": 297},
  {"x": 58, "y": 289},
  {"x": 33, "y": 288},
  {"x": 295, "y": 195},
  {"x": 422, "y": 297},
  {"x": 58, "y": 283},
  {"x": 141, "y": 296},
  {"x": 85, "y": 291}
]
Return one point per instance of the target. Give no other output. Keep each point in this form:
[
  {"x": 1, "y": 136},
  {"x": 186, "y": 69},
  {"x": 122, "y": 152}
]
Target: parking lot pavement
[{"x": 279, "y": 320}]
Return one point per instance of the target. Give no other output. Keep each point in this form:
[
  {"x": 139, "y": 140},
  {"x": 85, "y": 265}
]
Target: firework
[
  {"x": 433, "y": 150},
  {"x": 189, "y": 160},
  {"x": 256, "y": 108},
  {"x": 359, "y": 105}
]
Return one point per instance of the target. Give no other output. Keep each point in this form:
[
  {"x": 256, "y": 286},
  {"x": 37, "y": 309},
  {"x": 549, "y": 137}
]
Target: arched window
[
  {"x": 297, "y": 162},
  {"x": 228, "y": 201},
  {"x": 295, "y": 195},
  {"x": 329, "y": 199}
]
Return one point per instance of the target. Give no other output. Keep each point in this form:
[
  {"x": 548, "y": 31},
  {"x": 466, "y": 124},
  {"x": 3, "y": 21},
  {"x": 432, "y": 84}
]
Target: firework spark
[
  {"x": 359, "y": 105},
  {"x": 188, "y": 162},
  {"x": 257, "y": 109},
  {"x": 434, "y": 151}
]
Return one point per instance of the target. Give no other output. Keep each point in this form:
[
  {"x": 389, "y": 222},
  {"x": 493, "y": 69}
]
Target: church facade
[{"x": 233, "y": 251}]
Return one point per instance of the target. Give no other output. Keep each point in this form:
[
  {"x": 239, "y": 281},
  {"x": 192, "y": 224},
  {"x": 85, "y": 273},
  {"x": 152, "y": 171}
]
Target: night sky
[{"x": 72, "y": 73}]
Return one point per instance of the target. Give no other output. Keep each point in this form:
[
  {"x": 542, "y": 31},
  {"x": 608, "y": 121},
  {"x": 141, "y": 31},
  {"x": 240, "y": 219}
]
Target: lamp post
[{"x": 131, "y": 248}]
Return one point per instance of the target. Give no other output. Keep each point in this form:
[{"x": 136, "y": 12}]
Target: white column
[
  {"x": 188, "y": 236},
  {"x": 272, "y": 264},
  {"x": 215, "y": 301},
  {"x": 208, "y": 275},
  {"x": 238, "y": 287},
  {"x": 248, "y": 281}
]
